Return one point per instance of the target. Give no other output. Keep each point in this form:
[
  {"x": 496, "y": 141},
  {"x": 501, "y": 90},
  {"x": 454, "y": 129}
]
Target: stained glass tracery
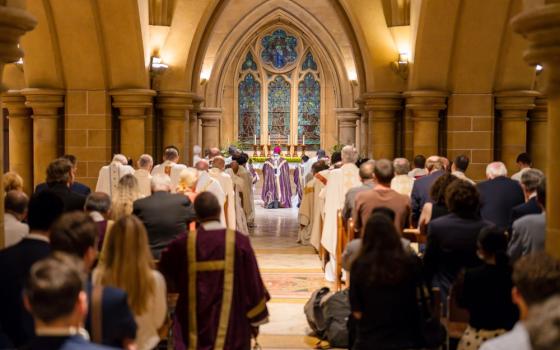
[
  {"x": 279, "y": 49},
  {"x": 309, "y": 62},
  {"x": 249, "y": 62},
  {"x": 279, "y": 109},
  {"x": 249, "y": 100},
  {"x": 309, "y": 111}
]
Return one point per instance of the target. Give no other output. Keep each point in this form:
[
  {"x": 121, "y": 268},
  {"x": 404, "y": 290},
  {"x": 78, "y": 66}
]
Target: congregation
[{"x": 162, "y": 253}]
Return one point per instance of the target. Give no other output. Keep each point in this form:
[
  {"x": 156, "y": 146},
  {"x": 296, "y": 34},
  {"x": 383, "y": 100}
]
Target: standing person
[
  {"x": 368, "y": 182},
  {"x": 169, "y": 166},
  {"x": 128, "y": 191},
  {"x": 98, "y": 207},
  {"x": 142, "y": 174},
  {"x": 523, "y": 163},
  {"x": 419, "y": 167},
  {"x": 306, "y": 212},
  {"x": 109, "y": 175},
  {"x": 339, "y": 182},
  {"x": 12, "y": 182},
  {"x": 187, "y": 183},
  {"x": 485, "y": 291},
  {"x": 222, "y": 299},
  {"x": 16, "y": 261},
  {"x": 218, "y": 173},
  {"x": 128, "y": 265},
  {"x": 238, "y": 186},
  {"x": 437, "y": 206},
  {"x": 207, "y": 183},
  {"x": 60, "y": 177},
  {"x": 277, "y": 190},
  {"x": 530, "y": 181},
  {"x": 248, "y": 192},
  {"x": 499, "y": 195},
  {"x": 421, "y": 189},
  {"x": 402, "y": 183},
  {"x": 164, "y": 214},
  {"x": 76, "y": 186},
  {"x": 196, "y": 154},
  {"x": 299, "y": 179},
  {"x": 383, "y": 287},
  {"x": 15, "y": 206},
  {"x": 321, "y": 174},
  {"x": 459, "y": 167},
  {"x": 55, "y": 295}
]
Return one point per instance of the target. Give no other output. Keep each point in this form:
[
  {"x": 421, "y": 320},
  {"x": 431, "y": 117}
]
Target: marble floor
[{"x": 291, "y": 272}]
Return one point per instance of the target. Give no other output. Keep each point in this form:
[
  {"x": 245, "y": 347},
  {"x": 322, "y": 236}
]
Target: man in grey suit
[
  {"x": 529, "y": 231},
  {"x": 366, "y": 175}
]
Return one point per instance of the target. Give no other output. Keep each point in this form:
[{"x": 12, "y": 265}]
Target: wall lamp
[
  {"x": 538, "y": 69},
  {"x": 19, "y": 64},
  {"x": 400, "y": 66},
  {"x": 157, "y": 66}
]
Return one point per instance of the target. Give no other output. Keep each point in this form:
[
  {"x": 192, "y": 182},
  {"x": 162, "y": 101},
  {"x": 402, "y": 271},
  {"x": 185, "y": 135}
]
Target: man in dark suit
[
  {"x": 54, "y": 294},
  {"x": 98, "y": 206},
  {"x": 452, "y": 239},
  {"x": 76, "y": 187},
  {"x": 530, "y": 180},
  {"x": 59, "y": 179},
  {"x": 499, "y": 195},
  {"x": 164, "y": 214},
  {"x": 76, "y": 234},
  {"x": 421, "y": 188},
  {"x": 16, "y": 261}
]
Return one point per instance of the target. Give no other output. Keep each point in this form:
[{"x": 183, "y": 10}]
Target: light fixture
[
  {"x": 538, "y": 69},
  {"x": 400, "y": 66},
  {"x": 204, "y": 76},
  {"x": 157, "y": 65},
  {"x": 19, "y": 64}
]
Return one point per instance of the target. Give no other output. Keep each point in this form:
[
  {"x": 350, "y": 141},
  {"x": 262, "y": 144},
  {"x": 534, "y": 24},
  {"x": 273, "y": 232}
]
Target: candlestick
[
  {"x": 303, "y": 139},
  {"x": 254, "y": 143}
]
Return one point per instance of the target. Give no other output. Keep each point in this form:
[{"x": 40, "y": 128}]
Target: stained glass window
[
  {"x": 279, "y": 109},
  {"x": 309, "y": 62},
  {"x": 249, "y": 63},
  {"x": 249, "y": 109},
  {"x": 279, "y": 49},
  {"x": 309, "y": 111}
]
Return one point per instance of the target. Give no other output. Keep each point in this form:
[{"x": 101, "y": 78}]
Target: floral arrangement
[{"x": 288, "y": 159}]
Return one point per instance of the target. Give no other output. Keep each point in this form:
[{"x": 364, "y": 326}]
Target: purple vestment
[
  {"x": 221, "y": 273},
  {"x": 298, "y": 180},
  {"x": 276, "y": 185}
]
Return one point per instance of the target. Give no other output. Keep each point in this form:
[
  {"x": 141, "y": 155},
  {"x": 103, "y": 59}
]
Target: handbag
[{"x": 433, "y": 331}]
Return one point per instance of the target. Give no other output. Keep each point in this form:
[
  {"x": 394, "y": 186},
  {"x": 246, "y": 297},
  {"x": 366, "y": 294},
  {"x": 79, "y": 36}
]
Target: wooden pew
[{"x": 344, "y": 235}]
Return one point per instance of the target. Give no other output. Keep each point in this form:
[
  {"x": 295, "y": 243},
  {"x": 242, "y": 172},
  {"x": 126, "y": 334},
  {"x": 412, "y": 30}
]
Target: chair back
[
  {"x": 457, "y": 318},
  {"x": 341, "y": 239}
]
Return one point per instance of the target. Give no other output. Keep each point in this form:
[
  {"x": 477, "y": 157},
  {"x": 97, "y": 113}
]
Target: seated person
[
  {"x": 485, "y": 291},
  {"x": 55, "y": 295}
]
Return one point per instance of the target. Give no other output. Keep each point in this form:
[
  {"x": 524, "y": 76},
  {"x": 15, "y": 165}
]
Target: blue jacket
[
  {"x": 75, "y": 342},
  {"x": 421, "y": 193},
  {"x": 498, "y": 197},
  {"x": 76, "y": 187}
]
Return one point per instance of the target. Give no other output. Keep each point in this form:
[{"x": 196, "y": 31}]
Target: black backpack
[{"x": 327, "y": 315}]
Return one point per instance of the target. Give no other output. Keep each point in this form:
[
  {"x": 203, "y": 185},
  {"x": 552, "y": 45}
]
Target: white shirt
[
  {"x": 109, "y": 177},
  {"x": 206, "y": 183},
  {"x": 173, "y": 170},
  {"x": 212, "y": 225},
  {"x": 14, "y": 230},
  {"x": 461, "y": 175},
  {"x": 516, "y": 339},
  {"x": 227, "y": 186},
  {"x": 517, "y": 175},
  {"x": 144, "y": 181}
]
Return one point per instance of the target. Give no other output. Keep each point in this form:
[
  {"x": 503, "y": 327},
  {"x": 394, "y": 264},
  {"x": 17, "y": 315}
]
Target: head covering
[{"x": 277, "y": 150}]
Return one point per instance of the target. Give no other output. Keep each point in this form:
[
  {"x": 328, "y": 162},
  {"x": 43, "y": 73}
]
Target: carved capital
[
  {"x": 14, "y": 102},
  {"x": 210, "y": 116},
  {"x": 515, "y": 104},
  {"x": 382, "y": 101},
  {"x": 132, "y": 103},
  {"x": 540, "y": 112},
  {"x": 347, "y": 116},
  {"x": 426, "y": 104},
  {"x": 174, "y": 104},
  {"x": 45, "y": 103}
]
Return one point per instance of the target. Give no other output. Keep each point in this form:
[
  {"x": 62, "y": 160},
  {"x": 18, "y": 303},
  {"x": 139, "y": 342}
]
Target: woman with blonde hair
[
  {"x": 187, "y": 183},
  {"x": 12, "y": 182},
  {"x": 128, "y": 190},
  {"x": 129, "y": 265}
]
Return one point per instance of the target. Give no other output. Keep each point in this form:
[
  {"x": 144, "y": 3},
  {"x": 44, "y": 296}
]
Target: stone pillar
[
  {"x": 20, "y": 137},
  {"x": 425, "y": 106},
  {"x": 192, "y": 128},
  {"x": 539, "y": 24},
  {"x": 363, "y": 128},
  {"x": 538, "y": 132},
  {"x": 14, "y": 22},
  {"x": 132, "y": 105},
  {"x": 382, "y": 108},
  {"x": 210, "y": 127},
  {"x": 347, "y": 118},
  {"x": 513, "y": 106},
  {"x": 46, "y": 105},
  {"x": 175, "y": 107}
]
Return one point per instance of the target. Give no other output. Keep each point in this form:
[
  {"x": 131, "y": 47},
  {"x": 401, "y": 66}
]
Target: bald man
[
  {"x": 109, "y": 175},
  {"x": 170, "y": 166},
  {"x": 15, "y": 205},
  {"x": 218, "y": 174},
  {"x": 207, "y": 183}
]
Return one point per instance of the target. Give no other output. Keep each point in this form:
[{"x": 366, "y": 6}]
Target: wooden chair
[
  {"x": 342, "y": 240},
  {"x": 414, "y": 235},
  {"x": 456, "y": 320}
]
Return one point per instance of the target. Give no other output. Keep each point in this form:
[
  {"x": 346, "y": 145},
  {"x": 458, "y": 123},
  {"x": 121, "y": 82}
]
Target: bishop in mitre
[
  {"x": 169, "y": 166},
  {"x": 109, "y": 175},
  {"x": 339, "y": 182},
  {"x": 277, "y": 190}
]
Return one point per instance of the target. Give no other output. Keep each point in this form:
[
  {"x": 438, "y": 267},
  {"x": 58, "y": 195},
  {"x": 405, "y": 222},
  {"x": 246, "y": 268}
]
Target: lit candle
[
  {"x": 303, "y": 140},
  {"x": 255, "y": 140}
]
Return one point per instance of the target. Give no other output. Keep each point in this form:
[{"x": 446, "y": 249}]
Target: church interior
[{"x": 390, "y": 78}]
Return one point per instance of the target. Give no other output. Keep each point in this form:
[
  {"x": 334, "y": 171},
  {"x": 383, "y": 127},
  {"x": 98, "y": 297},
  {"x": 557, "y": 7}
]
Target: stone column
[
  {"x": 20, "y": 137},
  {"x": 513, "y": 106},
  {"x": 132, "y": 105},
  {"x": 539, "y": 24},
  {"x": 382, "y": 108},
  {"x": 193, "y": 125},
  {"x": 46, "y": 105},
  {"x": 362, "y": 142},
  {"x": 175, "y": 107},
  {"x": 210, "y": 127},
  {"x": 425, "y": 106},
  {"x": 537, "y": 131},
  {"x": 347, "y": 118}
]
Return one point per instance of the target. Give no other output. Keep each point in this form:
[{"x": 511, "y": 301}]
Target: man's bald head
[
  {"x": 214, "y": 152},
  {"x": 366, "y": 170},
  {"x": 202, "y": 165},
  {"x": 434, "y": 163},
  {"x": 16, "y": 202},
  {"x": 219, "y": 163}
]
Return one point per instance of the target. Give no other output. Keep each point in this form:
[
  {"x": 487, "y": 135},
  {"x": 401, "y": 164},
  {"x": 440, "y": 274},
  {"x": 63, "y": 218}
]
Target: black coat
[
  {"x": 76, "y": 187},
  {"x": 421, "y": 193},
  {"x": 72, "y": 201},
  {"x": 527, "y": 208},
  {"x": 165, "y": 216},
  {"x": 498, "y": 197}
]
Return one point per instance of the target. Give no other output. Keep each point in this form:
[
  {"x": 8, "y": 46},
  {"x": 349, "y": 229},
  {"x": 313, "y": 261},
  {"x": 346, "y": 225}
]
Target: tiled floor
[{"x": 291, "y": 272}]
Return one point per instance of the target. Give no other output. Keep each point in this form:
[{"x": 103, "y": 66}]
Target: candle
[
  {"x": 303, "y": 140},
  {"x": 269, "y": 139},
  {"x": 255, "y": 140}
]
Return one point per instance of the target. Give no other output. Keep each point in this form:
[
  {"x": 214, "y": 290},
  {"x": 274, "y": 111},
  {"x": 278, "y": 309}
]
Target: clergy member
[
  {"x": 207, "y": 183},
  {"x": 169, "y": 166},
  {"x": 321, "y": 178},
  {"x": 218, "y": 174},
  {"x": 248, "y": 200},
  {"x": 238, "y": 185},
  {"x": 276, "y": 191},
  {"x": 306, "y": 209},
  {"x": 109, "y": 175},
  {"x": 339, "y": 182},
  {"x": 142, "y": 174},
  {"x": 222, "y": 298},
  {"x": 299, "y": 179}
]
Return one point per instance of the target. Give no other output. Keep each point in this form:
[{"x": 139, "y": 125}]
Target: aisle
[{"x": 291, "y": 272}]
